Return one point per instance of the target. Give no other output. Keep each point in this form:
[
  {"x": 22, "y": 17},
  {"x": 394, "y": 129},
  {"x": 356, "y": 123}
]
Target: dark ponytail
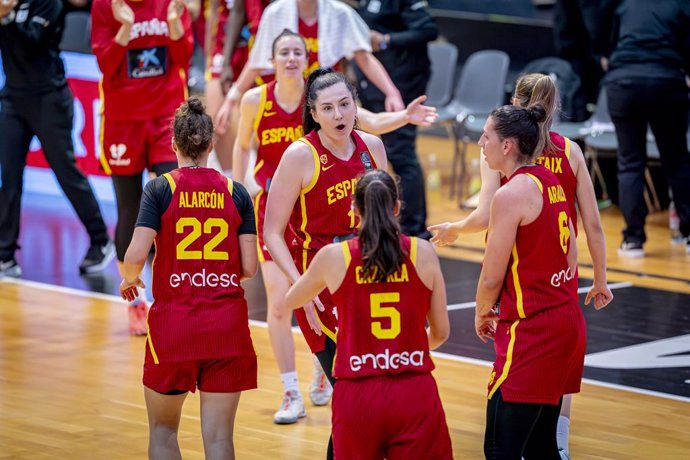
[
  {"x": 375, "y": 197},
  {"x": 521, "y": 124},
  {"x": 192, "y": 128},
  {"x": 318, "y": 80}
]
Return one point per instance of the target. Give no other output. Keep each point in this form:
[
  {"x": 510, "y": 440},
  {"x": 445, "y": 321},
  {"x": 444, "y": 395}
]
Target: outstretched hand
[
  {"x": 420, "y": 115},
  {"x": 443, "y": 234}
]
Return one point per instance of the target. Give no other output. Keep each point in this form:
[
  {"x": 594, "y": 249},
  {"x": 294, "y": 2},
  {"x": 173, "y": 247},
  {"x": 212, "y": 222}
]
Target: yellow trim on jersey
[
  {"x": 148, "y": 329},
  {"x": 183, "y": 77},
  {"x": 103, "y": 159},
  {"x": 509, "y": 360},
  {"x": 231, "y": 186},
  {"x": 413, "y": 250},
  {"x": 262, "y": 107},
  {"x": 330, "y": 334},
  {"x": 171, "y": 181},
  {"x": 258, "y": 166},
  {"x": 567, "y": 147},
  {"x": 516, "y": 283},
  {"x": 259, "y": 250},
  {"x": 536, "y": 181},
  {"x": 346, "y": 253}
]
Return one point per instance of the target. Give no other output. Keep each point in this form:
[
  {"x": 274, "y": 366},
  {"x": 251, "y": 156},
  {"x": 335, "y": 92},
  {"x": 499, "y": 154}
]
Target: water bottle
[{"x": 674, "y": 225}]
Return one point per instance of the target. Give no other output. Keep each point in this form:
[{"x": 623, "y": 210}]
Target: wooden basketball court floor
[{"x": 70, "y": 375}]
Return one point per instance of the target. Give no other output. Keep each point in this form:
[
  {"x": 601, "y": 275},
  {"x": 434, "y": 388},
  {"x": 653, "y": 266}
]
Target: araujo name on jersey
[{"x": 386, "y": 360}]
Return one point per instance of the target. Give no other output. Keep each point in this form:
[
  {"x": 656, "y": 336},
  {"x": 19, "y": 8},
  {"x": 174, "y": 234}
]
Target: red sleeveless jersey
[
  {"x": 558, "y": 162},
  {"x": 311, "y": 38},
  {"x": 381, "y": 325},
  {"x": 324, "y": 212},
  {"x": 199, "y": 310},
  {"x": 276, "y": 129},
  {"x": 538, "y": 276}
]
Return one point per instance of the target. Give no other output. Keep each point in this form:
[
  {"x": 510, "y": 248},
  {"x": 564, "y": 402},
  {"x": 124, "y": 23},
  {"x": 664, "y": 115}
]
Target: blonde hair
[{"x": 537, "y": 88}]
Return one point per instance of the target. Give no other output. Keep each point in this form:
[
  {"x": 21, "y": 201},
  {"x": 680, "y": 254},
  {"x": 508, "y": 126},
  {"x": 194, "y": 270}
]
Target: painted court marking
[{"x": 437, "y": 355}]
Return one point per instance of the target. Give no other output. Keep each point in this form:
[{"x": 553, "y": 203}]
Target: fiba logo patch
[
  {"x": 117, "y": 151},
  {"x": 366, "y": 160}
]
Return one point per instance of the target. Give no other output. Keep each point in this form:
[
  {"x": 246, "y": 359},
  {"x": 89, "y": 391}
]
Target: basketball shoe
[
  {"x": 320, "y": 390},
  {"x": 291, "y": 409},
  {"x": 137, "y": 317}
]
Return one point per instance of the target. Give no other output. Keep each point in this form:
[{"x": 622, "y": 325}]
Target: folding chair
[
  {"x": 601, "y": 140},
  {"x": 480, "y": 89},
  {"x": 76, "y": 34},
  {"x": 444, "y": 59}
]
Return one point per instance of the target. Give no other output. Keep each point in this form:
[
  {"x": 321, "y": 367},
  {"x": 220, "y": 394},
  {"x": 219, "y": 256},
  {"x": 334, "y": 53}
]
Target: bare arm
[
  {"x": 429, "y": 270},
  {"x": 135, "y": 258},
  {"x": 243, "y": 83},
  {"x": 295, "y": 167},
  {"x": 243, "y": 142},
  {"x": 248, "y": 256},
  {"x": 478, "y": 219},
  {"x": 327, "y": 270},
  {"x": 376, "y": 74},
  {"x": 232, "y": 34},
  {"x": 385, "y": 122},
  {"x": 194, "y": 8},
  {"x": 591, "y": 221}
]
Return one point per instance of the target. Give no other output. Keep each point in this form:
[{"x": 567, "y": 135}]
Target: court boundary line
[{"x": 263, "y": 324}]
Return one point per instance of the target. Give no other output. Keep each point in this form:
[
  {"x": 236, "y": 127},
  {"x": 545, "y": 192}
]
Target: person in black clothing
[
  {"x": 37, "y": 101},
  {"x": 400, "y": 31},
  {"x": 647, "y": 84}
]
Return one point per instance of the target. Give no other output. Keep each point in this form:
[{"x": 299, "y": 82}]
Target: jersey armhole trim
[
  {"x": 536, "y": 181},
  {"x": 171, "y": 182}
]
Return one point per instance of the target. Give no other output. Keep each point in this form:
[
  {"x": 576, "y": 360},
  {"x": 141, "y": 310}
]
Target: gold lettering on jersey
[
  {"x": 556, "y": 194},
  {"x": 400, "y": 276},
  {"x": 282, "y": 134},
  {"x": 210, "y": 200},
  {"x": 554, "y": 164},
  {"x": 312, "y": 45},
  {"x": 340, "y": 190}
]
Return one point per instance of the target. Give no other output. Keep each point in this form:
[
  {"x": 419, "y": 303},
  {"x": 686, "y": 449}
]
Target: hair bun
[
  {"x": 537, "y": 112},
  {"x": 195, "y": 105}
]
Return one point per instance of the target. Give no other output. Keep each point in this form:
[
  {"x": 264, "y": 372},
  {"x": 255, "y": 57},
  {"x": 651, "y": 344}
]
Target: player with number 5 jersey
[
  {"x": 203, "y": 227},
  {"x": 387, "y": 286}
]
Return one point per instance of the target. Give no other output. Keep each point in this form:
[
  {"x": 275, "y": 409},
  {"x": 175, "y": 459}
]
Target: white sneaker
[
  {"x": 320, "y": 390},
  {"x": 291, "y": 409},
  {"x": 564, "y": 455}
]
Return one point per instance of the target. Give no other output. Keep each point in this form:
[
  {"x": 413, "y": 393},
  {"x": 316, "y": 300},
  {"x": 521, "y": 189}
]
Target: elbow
[
  {"x": 438, "y": 337},
  {"x": 490, "y": 283},
  {"x": 249, "y": 269}
]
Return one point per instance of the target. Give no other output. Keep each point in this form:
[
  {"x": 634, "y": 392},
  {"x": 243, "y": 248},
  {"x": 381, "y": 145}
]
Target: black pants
[
  {"x": 663, "y": 104},
  {"x": 520, "y": 430},
  {"x": 128, "y": 191},
  {"x": 49, "y": 117},
  {"x": 326, "y": 358},
  {"x": 400, "y": 149}
]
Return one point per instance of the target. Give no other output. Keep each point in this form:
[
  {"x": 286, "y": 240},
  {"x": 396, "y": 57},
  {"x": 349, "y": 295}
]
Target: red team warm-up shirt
[
  {"x": 381, "y": 325},
  {"x": 199, "y": 311},
  {"x": 323, "y": 215},
  {"x": 147, "y": 78}
]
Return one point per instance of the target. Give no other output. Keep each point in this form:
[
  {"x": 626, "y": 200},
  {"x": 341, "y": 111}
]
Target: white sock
[
  {"x": 290, "y": 382},
  {"x": 562, "y": 432}
]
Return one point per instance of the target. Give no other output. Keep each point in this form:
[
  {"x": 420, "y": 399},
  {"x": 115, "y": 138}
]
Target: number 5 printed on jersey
[{"x": 378, "y": 310}]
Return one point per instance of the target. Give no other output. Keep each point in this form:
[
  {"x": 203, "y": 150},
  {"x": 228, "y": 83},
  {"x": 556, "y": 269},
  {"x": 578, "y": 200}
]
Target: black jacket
[
  {"x": 29, "y": 42},
  {"x": 645, "y": 38},
  {"x": 410, "y": 27}
]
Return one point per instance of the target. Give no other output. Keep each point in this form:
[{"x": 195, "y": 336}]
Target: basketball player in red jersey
[
  {"x": 143, "y": 49},
  {"x": 565, "y": 159},
  {"x": 387, "y": 286},
  {"x": 530, "y": 265},
  {"x": 203, "y": 226},
  {"x": 271, "y": 116}
]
